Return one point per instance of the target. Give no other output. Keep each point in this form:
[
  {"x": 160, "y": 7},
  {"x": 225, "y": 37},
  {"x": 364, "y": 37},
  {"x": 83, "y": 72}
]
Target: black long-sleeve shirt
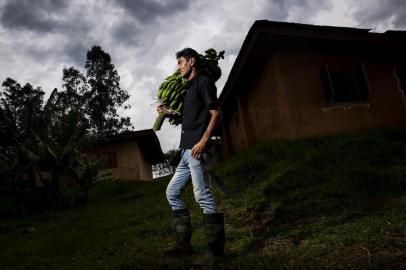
[{"x": 200, "y": 98}]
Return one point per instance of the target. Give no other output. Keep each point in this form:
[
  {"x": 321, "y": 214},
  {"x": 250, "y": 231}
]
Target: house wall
[
  {"x": 310, "y": 115},
  {"x": 131, "y": 165},
  {"x": 145, "y": 167},
  {"x": 286, "y": 99},
  {"x": 233, "y": 131},
  {"x": 267, "y": 105}
]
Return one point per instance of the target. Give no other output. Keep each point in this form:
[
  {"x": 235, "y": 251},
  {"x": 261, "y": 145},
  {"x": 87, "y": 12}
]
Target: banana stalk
[{"x": 159, "y": 121}]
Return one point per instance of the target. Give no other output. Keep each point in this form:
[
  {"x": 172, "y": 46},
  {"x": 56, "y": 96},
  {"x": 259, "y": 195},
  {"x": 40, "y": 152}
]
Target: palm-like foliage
[
  {"x": 45, "y": 140},
  {"x": 59, "y": 152},
  {"x": 90, "y": 173},
  {"x": 37, "y": 137},
  {"x": 9, "y": 133},
  {"x": 15, "y": 157}
]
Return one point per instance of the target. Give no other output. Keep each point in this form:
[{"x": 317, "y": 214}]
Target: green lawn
[{"x": 321, "y": 203}]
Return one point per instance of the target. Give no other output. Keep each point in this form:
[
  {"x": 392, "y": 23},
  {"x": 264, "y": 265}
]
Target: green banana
[
  {"x": 173, "y": 94},
  {"x": 180, "y": 107},
  {"x": 173, "y": 103},
  {"x": 165, "y": 93},
  {"x": 177, "y": 95}
]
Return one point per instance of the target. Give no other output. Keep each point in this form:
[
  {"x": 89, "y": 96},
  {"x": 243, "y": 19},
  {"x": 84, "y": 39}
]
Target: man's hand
[
  {"x": 160, "y": 108},
  {"x": 198, "y": 149}
]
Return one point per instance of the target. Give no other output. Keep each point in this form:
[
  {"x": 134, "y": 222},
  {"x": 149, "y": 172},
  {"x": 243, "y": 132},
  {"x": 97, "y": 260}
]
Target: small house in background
[
  {"x": 130, "y": 155},
  {"x": 295, "y": 80}
]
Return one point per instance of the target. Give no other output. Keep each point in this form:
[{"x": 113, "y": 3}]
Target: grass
[{"x": 334, "y": 202}]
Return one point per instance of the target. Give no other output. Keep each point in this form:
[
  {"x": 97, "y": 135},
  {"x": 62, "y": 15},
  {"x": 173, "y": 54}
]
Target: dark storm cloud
[
  {"x": 140, "y": 25},
  {"x": 278, "y": 10},
  {"x": 147, "y": 10},
  {"x": 127, "y": 32},
  {"x": 49, "y": 16},
  {"x": 31, "y": 15},
  {"x": 371, "y": 14},
  {"x": 72, "y": 54},
  {"x": 77, "y": 53}
]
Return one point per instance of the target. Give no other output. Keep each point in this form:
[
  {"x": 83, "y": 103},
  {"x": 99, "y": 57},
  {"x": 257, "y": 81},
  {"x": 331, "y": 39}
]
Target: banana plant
[
  {"x": 58, "y": 154},
  {"x": 17, "y": 142},
  {"x": 15, "y": 156},
  {"x": 89, "y": 173},
  {"x": 9, "y": 131}
]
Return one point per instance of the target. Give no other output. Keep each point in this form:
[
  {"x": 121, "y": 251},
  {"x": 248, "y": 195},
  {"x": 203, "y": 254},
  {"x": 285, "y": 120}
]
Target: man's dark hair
[{"x": 188, "y": 53}]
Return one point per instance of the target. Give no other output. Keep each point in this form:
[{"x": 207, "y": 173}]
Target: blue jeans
[{"x": 197, "y": 170}]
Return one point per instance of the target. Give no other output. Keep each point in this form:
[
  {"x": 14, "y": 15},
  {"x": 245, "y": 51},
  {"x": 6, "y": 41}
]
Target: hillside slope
[{"x": 321, "y": 203}]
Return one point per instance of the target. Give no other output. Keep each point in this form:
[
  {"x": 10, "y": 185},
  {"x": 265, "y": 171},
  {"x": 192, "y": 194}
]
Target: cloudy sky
[{"x": 40, "y": 37}]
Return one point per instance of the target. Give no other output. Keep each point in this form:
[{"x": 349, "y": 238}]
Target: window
[
  {"x": 110, "y": 161},
  {"x": 344, "y": 86}
]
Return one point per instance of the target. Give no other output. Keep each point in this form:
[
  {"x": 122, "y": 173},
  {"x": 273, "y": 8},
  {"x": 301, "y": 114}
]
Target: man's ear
[{"x": 192, "y": 61}]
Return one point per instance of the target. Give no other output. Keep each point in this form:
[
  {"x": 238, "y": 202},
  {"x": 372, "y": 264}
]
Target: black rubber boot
[
  {"x": 183, "y": 232},
  {"x": 214, "y": 228}
]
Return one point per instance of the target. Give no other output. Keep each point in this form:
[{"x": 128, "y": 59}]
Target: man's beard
[{"x": 187, "y": 74}]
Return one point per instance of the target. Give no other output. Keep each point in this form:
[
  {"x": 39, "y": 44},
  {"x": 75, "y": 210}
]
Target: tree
[
  {"x": 97, "y": 95},
  {"x": 12, "y": 161},
  {"x": 50, "y": 137},
  {"x": 24, "y": 103},
  {"x": 20, "y": 111},
  {"x": 105, "y": 94},
  {"x": 75, "y": 86},
  {"x": 31, "y": 144}
]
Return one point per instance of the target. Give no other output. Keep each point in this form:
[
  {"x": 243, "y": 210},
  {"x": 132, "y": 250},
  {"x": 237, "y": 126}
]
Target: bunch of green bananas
[{"x": 172, "y": 91}]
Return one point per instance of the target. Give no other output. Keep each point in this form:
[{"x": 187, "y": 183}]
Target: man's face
[{"x": 185, "y": 66}]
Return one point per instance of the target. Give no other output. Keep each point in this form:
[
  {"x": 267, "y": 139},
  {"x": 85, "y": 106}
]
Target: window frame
[{"x": 356, "y": 76}]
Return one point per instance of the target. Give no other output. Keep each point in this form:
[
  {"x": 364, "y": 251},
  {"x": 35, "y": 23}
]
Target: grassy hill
[{"x": 334, "y": 202}]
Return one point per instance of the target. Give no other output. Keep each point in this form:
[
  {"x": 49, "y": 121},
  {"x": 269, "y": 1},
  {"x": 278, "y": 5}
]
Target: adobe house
[
  {"x": 130, "y": 155},
  {"x": 295, "y": 80}
]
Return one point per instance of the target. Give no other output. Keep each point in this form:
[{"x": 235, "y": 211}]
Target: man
[{"x": 200, "y": 115}]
